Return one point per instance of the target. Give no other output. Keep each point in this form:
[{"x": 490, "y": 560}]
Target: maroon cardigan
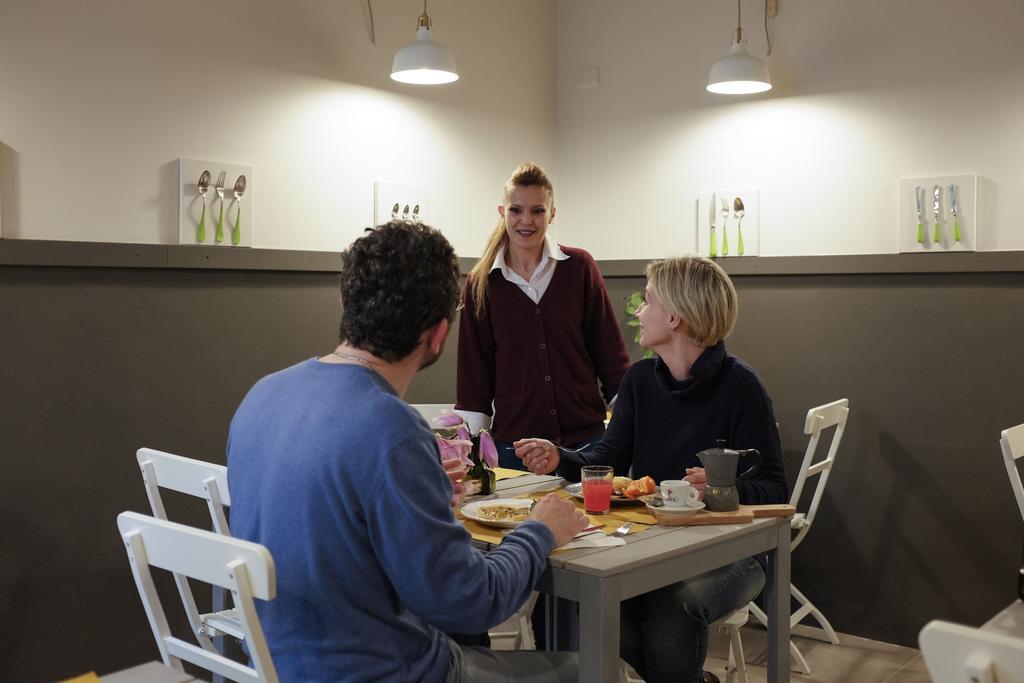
[{"x": 540, "y": 363}]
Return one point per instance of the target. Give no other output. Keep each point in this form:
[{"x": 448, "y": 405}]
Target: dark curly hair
[{"x": 397, "y": 281}]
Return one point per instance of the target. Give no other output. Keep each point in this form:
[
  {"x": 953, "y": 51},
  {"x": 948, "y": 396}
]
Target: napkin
[{"x": 598, "y": 540}]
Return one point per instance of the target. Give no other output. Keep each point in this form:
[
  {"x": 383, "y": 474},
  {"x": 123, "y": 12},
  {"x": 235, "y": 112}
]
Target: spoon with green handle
[
  {"x": 203, "y": 186},
  {"x": 738, "y": 211},
  {"x": 218, "y": 236},
  {"x": 236, "y": 232}
]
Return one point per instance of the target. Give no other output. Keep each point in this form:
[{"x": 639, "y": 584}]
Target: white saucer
[{"x": 675, "y": 511}]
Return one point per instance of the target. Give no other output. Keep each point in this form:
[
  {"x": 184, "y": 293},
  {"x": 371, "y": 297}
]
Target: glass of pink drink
[{"x": 597, "y": 488}]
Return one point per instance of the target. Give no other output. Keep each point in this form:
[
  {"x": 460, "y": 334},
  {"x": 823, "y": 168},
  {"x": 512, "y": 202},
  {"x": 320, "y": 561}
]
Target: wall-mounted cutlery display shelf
[{"x": 938, "y": 214}]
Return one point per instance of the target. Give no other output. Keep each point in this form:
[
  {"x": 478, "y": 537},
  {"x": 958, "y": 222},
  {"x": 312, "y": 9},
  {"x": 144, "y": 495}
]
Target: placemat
[{"x": 507, "y": 473}]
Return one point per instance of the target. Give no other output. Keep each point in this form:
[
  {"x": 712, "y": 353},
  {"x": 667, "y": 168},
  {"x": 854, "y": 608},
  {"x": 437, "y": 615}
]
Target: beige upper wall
[
  {"x": 99, "y": 98},
  {"x": 866, "y": 93}
]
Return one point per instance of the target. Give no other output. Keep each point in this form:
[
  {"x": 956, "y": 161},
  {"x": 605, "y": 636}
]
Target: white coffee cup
[{"x": 679, "y": 493}]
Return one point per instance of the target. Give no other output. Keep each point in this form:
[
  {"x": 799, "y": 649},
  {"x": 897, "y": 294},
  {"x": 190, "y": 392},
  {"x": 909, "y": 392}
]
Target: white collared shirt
[
  {"x": 542, "y": 274},
  {"x": 534, "y": 288}
]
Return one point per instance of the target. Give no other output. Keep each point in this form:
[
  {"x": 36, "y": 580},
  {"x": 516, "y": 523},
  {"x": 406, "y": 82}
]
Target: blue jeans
[
  {"x": 664, "y": 633},
  {"x": 482, "y": 665},
  {"x": 507, "y": 452}
]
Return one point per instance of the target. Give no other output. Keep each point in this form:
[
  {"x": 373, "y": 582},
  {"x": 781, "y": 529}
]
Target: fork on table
[{"x": 623, "y": 530}]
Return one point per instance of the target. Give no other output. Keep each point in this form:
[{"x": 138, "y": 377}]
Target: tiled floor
[{"x": 853, "y": 660}]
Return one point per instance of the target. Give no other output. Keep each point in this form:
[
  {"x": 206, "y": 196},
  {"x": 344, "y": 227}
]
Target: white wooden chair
[
  {"x": 819, "y": 419},
  {"x": 246, "y": 569},
  {"x": 1012, "y": 442},
  {"x": 962, "y": 654},
  {"x": 203, "y": 480},
  {"x": 431, "y": 410}
]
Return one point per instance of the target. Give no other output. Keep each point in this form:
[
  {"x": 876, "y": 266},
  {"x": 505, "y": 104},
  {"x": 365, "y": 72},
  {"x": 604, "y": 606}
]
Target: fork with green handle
[
  {"x": 218, "y": 236},
  {"x": 937, "y": 197},
  {"x": 725, "y": 223}
]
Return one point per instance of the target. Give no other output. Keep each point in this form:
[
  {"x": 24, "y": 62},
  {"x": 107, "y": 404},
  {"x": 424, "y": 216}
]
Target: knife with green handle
[
  {"x": 712, "y": 219},
  {"x": 937, "y": 197},
  {"x": 920, "y": 224},
  {"x": 954, "y": 208}
]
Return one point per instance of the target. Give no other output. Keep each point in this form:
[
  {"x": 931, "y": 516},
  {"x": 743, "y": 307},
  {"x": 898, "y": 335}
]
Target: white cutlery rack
[
  {"x": 751, "y": 222},
  {"x": 190, "y": 203},
  {"x": 906, "y": 222}
]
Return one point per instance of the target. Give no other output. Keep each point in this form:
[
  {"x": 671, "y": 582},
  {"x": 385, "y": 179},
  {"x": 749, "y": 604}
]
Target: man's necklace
[{"x": 357, "y": 359}]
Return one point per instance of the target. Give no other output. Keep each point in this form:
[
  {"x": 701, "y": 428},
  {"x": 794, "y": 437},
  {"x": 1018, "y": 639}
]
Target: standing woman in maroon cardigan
[{"x": 538, "y": 338}]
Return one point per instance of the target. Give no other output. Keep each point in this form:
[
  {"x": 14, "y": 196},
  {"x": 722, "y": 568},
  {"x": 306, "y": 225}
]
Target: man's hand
[
  {"x": 539, "y": 455},
  {"x": 559, "y": 515},
  {"x": 455, "y": 470},
  {"x": 695, "y": 475}
]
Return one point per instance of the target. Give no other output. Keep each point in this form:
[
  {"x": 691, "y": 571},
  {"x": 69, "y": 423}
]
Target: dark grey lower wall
[{"x": 918, "y": 522}]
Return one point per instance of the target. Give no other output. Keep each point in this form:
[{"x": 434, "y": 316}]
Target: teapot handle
[{"x": 752, "y": 470}]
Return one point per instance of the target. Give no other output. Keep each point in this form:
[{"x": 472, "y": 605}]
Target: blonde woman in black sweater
[{"x": 687, "y": 398}]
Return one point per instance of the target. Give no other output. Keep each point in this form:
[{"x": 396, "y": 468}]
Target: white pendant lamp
[
  {"x": 424, "y": 62},
  {"x": 740, "y": 73}
]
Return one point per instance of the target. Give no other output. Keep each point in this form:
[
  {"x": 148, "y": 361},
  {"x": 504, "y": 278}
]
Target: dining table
[{"x": 599, "y": 578}]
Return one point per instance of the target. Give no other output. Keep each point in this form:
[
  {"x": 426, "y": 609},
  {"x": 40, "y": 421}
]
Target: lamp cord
[
  {"x": 767, "y": 38},
  {"x": 373, "y": 34}
]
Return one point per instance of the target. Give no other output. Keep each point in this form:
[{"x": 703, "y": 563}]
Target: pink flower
[
  {"x": 488, "y": 451},
  {"x": 455, "y": 449},
  {"x": 447, "y": 418}
]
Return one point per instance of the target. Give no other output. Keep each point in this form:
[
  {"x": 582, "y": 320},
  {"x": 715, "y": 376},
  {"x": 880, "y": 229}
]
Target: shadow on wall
[
  {"x": 10, "y": 205},
  {"x": 166, "y": 202}
]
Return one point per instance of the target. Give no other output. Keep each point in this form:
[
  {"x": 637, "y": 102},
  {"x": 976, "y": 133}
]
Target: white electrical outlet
[{"x": 394, "y": 201}]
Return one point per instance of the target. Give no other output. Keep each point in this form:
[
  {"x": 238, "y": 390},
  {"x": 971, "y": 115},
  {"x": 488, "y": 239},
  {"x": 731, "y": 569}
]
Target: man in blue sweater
[{"x": 342, "y": 481}]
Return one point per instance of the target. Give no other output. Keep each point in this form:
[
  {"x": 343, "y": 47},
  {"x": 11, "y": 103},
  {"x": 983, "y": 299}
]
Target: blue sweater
[
  {"x": 660, "y": 424},
  {"x": 341, "y": 480}
]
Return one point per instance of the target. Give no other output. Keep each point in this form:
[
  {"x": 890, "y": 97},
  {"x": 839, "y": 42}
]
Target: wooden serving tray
[{"x": 744, "y": 515}]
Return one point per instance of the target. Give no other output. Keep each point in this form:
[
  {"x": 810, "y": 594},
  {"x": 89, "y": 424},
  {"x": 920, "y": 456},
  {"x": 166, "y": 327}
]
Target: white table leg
[{"x": 777, "y": 603}]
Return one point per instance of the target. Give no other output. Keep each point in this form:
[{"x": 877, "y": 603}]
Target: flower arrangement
[{"x": 478, "y": 454}]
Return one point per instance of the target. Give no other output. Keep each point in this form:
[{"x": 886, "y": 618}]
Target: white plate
[
  {"x": 676, "y": 512},
  {"x": 472, "y": 511},
  {"x": 576, "y": 491}
]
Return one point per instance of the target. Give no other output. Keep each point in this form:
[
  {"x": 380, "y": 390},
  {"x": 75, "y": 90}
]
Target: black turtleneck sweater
[{"x": 659, "y": 424}]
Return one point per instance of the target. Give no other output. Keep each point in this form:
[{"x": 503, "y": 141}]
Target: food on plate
[
  {"x": 619, "y": 484},
  {"x": 504, "y": 513},
  {"x": 640, "y": 487}
]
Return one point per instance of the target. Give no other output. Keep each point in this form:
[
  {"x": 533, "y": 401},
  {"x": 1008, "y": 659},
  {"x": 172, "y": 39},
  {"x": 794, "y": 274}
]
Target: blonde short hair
[{"x": 698, "y": 291}]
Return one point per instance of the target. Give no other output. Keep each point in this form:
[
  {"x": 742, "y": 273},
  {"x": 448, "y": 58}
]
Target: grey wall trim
[{"x": 114, "y": 255}]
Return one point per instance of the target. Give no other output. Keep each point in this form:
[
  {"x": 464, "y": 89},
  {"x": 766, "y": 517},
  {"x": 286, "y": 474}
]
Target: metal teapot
[{"x": 720, "y": 469}]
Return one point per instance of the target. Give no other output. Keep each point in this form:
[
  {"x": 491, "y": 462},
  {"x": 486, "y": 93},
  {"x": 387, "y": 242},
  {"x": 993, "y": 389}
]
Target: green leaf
[{"x": 633, "y": 323}]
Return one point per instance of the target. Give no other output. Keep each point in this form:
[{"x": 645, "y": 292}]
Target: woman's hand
[
  {"x": 695, "y": 475},
  {"x": 539, "y": 455},
  {"x": 456, "y": 470}
]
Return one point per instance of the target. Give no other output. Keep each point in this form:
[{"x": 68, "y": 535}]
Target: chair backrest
[
  {"x": 1012, "y": 442},
  {"x": 430, "y": 410},
  {"x": 196, "y": 478},
  {"x": 961, "y": 654},
  {"x": 244, "y": 568},
  {"x": 193, "y": 477},
  {"x": 818, "y": 420}
]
